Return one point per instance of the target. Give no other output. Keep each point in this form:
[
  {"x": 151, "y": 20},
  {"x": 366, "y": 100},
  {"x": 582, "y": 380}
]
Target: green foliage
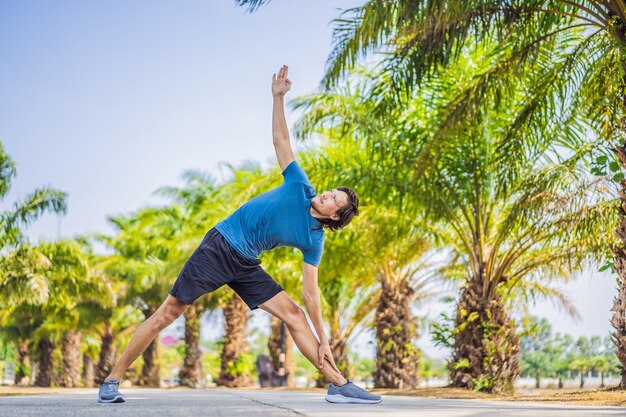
[
  {"x": 244, "y": 365},
  {"x": 211, "y": 359},
  {"x": 30, "y": 208},
  {"x": 548, "y": 354}
]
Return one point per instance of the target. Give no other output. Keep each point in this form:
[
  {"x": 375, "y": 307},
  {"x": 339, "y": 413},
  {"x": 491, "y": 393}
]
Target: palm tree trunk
[
  {"x": 618, "y": 320},
  {"x": 191, "y": 372},
  {"x": 70, "y": 349},
  {"x": 235, "y": 345},
  {"x": 537, "y": 379},
  {"x": 45, "y": 369},
  {"x": 282, "y": 360},
  {"x": 396, "y": 355},
  {"x": 486, "y": 346},
  {"x": 22, "y": 370},
  {"x": 88, "y": 371},
  {"x": 151, "y": 370},
  {"x": 107, "y": 354}
]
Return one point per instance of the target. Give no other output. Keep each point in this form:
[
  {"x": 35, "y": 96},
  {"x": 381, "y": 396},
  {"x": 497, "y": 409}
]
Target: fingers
[
  {"x": 273, "y": 77},
  {"x": 283, "y": 71},
  {"x": 333, "y": 365},
  {"x": 321, "y": 359}
]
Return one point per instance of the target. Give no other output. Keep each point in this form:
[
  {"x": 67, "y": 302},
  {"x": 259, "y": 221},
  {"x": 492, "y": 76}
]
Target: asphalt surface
[{"x": 256, "y": 403}]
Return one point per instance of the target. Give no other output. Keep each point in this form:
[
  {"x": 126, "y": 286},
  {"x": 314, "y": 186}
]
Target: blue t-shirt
[{"x": 279, "y": 217}]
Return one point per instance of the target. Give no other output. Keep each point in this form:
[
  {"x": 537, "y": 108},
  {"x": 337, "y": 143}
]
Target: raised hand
[{"x": 280, "y": 82}]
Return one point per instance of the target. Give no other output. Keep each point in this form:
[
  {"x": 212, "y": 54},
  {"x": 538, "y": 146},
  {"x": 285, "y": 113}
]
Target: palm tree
[
  {"x": 349, "y": 292},
  {"x": 574, "y": 49},
  {"x": 200, "y": 199},
  {"x": 400, "y": 259},
  {"x": 24, "y": 212},
  {"x": 76, "y": 284},
  {"x": 389, "y": 240},
  {"x": 16, "y": 287},
  {"x": 513, "y": 228},
  {"x": 79, "y": 285},
  {"x": 246, "y": 182},
  {"x": 234, "y": 365},
  {"x": 284, "y": 265}
]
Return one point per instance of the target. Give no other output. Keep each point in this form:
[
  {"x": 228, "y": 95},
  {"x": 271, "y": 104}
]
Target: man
[{"x": 289, "y": 215}]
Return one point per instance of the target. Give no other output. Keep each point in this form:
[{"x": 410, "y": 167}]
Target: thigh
[
  {"x": 255, "y": 287},
  {"x": 206, "y": 270}
]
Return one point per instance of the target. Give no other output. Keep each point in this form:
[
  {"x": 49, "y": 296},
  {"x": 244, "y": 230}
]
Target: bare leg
[
  {"x": 169, "y": 311},
  {"x": 285, "y": 309}
]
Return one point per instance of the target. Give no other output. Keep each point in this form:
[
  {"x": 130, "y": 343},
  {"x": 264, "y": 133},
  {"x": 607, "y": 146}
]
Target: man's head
[{"x": 336, "y": 208}]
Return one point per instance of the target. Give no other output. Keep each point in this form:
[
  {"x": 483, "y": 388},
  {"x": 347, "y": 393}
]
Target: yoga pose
[{"x": 289, "y": 215}]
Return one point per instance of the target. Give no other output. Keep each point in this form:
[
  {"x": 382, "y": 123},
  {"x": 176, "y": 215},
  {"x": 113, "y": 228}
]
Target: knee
[
  {"x": 294, "y": 316},
  {"x": 164, "y": 317}
]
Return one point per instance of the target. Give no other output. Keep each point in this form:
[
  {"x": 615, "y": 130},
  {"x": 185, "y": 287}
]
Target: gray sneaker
[
  {"x": 350, "y": 393},
  {"x": 110, "y": 392}
]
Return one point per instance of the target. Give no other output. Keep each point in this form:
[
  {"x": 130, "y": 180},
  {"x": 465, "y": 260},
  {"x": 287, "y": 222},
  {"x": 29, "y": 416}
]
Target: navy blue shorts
[{"x": 215, "y": 263}]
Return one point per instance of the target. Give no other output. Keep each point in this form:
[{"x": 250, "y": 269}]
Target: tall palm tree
[
  {"x": 538, "y": 217},
  {"x": 575, "y": 48},
  {"x": 200, "y": 199},
  {"x": 389, "y": 245}
]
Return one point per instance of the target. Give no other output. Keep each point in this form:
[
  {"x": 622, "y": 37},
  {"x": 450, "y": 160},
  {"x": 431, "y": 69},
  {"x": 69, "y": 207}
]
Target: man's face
[{"x": 329, "y": 202}]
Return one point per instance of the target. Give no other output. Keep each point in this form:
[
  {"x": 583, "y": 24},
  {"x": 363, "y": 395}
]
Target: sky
[{"x": 110, "y": 100}]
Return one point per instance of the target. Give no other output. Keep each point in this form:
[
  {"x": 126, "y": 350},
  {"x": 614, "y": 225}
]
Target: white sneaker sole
[
  {"x": 117, "y": 399},
  {"x": 338, "y": 398}
]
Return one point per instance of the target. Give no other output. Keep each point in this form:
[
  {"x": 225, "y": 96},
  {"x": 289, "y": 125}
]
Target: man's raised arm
[{"x": 280, "y": 133}]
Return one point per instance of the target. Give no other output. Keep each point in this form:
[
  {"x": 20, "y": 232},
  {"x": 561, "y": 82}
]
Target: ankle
[{"x": 340, "y": 382}]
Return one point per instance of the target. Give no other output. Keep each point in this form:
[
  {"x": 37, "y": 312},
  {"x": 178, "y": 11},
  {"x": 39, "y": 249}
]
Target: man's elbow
[{"x": 280, "y": 140}]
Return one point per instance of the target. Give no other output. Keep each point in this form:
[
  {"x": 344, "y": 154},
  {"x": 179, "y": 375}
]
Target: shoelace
[{"x": 111, "y": 386}]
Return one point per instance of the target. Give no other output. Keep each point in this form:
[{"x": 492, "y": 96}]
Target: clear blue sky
[{"x": 109, "y": 100}]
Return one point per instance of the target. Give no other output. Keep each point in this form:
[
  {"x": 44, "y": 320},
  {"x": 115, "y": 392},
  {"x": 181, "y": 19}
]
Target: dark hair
[{"x": 345, "y": 213}]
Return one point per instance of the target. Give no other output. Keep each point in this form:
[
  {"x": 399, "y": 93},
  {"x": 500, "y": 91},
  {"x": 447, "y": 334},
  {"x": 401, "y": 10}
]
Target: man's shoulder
[{"x": 295, "y": 173}]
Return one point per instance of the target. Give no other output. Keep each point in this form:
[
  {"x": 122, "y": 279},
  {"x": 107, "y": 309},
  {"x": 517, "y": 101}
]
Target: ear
[{"x": 334, "y": 217}]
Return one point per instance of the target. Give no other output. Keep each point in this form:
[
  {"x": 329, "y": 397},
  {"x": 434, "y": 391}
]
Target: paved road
[{"x": 256, "y": 403}]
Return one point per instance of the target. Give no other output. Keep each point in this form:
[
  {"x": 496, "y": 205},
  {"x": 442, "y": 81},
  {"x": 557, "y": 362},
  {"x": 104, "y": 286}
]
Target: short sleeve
[
  {"x": 313, "y": 255},
  {"x": 295, "y": 173}
]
